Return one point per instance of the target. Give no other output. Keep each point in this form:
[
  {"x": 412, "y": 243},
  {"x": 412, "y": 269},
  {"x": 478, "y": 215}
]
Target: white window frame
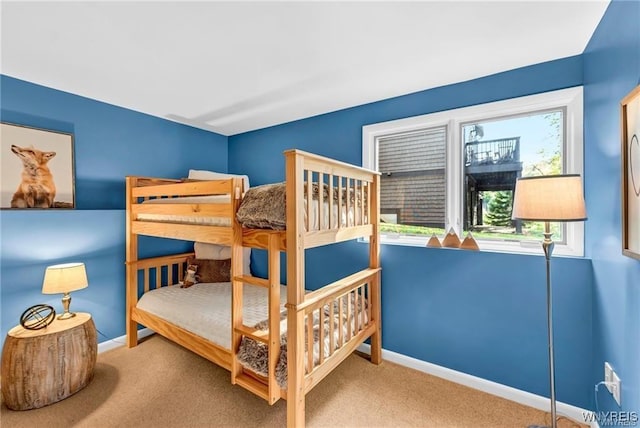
[{"x": 570, "y": 99}]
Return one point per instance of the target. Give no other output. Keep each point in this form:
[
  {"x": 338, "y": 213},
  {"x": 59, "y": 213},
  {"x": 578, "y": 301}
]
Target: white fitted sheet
[{"x": 205, "y": 308}]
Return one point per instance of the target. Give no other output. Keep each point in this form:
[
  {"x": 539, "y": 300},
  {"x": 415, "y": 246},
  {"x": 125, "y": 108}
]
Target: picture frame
[
  {"x": 630, "y": 119},
  {"x": 37, "y": 168}
]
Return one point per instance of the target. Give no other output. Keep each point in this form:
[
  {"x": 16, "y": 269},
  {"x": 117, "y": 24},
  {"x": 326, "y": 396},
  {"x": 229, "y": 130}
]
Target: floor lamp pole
[
  {"x": 547, "y": 246},
  {"x": 548, "y": 198}
]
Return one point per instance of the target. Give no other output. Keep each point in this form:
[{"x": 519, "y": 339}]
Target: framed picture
[
  {"x": 37, "y": 168},
  {"x": 631, "y": 174}
]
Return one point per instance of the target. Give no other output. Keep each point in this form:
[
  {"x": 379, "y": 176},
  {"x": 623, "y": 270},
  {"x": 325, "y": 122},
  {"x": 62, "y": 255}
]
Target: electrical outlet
[
  {"x": 617, "y": 385},
  {"x": 613, "y": 383}
]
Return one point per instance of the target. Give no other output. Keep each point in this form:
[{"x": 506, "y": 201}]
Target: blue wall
[
  {"x": 612, "y": 69},
  {"x": 110, "y": 142},
  {"x": 479, "y": 313}
]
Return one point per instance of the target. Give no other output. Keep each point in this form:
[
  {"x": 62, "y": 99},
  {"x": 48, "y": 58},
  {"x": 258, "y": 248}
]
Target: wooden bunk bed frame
[{"x": 303, "y": 373}]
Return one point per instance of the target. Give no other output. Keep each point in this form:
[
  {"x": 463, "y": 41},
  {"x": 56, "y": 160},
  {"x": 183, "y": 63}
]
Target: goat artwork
[{"x": 37, "y": 188}]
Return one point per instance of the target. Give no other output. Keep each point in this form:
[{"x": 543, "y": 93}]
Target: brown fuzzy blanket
[
  {"x": 255, "y": 355},
  {"x": 264, "y": 207}
]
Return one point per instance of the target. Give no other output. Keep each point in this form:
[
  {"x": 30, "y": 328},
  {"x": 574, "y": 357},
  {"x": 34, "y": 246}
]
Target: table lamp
[
  {"x": 549, "y": 198},
  {"x": 65, "y": 278}
]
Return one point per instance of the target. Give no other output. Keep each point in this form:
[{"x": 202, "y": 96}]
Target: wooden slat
[
  {"x": 191, "y": 210},
  {"x": 310, "y": 340},
  {"x": 189, "y": 188},
  {"x": 348, "y": 202},
  {"x": 146, "y": 279},
  {"x": 331, "y": 328},
  {"x": 152, "y": 181},
  {"x": 348, "y": 171},
  {"x": 158, "y": 277},
  {"x": 259, "y": 238},
  {"x": 368, "y": 213},
  {"x": 362, "y": 204},
  {"x": 356, "y": 206},
  {"x": 312, "y": 157},
  {"x": 321, "y": 201},
  {"x": 250, "y": 383},
  {"x": 331, "y": 203},
  {"x": 356, "y": 312},
  {"x": 309, "y": 201},
  {"x": 318, "y": 238},
  {"x": 316, "y": 298},
  {"x": 369, "y": 302},
  {"x": 187, "y": 232},
  {"x": 349, "y": 323},
  {"x": 366, "y": 319},
  {"x": 253, "y": 280},
  {"x": 340, "y": 322},
  {"x": 253, "y": 333},
  {"x": 332, "y": 362},
  {"x": 321, "y": 336},
  {"x": 340, "y": 203},
  {"x": 159, "y": 261}
]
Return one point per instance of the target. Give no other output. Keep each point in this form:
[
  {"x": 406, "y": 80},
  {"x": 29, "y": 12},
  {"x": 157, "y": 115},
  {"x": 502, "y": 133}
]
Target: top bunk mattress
[
  {"x": 264, "y": 207},
  {"x": 205, "y": 308}
]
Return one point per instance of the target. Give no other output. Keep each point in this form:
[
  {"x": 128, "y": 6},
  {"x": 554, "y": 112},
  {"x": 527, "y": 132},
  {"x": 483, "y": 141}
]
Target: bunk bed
[{"x": 304, "y": 334}]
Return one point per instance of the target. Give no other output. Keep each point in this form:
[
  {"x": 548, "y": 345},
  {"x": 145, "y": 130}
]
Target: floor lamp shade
[{"x": 549, "y": 198}]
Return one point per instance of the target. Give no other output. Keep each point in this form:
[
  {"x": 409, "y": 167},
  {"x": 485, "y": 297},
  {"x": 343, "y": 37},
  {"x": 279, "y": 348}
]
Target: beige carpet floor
[{"x": 160, "y": 384}]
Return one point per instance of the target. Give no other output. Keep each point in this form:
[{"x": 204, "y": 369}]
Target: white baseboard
[
  {"x": 122, "y": 340},
  {"x": 493, "y": 388}
]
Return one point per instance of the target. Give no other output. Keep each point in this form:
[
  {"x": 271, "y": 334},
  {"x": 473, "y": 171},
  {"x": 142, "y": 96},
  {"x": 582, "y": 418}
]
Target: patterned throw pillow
[{"x": 212, "y": 270}]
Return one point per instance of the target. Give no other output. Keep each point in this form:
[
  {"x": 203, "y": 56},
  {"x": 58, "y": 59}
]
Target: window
[{"x": 457, "y": 169}]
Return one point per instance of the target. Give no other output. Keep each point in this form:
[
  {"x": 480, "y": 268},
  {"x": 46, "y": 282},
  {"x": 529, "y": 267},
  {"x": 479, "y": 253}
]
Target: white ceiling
[{"x": 232, "y": 67}]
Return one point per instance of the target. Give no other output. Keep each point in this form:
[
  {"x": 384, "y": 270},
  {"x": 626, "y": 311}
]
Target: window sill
[{"x": 530, "y": 247}]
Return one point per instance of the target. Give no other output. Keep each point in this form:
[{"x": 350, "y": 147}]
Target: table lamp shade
[
  {"x": 64, "y": 278},
  {"x": 549, "y": 198}
]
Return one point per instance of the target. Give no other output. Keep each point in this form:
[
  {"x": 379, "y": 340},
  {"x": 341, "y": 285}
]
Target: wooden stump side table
[{"x": 41, "y": 367}]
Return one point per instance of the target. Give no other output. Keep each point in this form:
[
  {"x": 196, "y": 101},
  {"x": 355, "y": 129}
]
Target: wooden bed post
[
  {"x": 274, "y": 315},
  {"x": 295, "y": 290},
  {"x": 374, "y": 263},
  {"x": 132, "y": 271},
  {"x": 237, "y": 266}
]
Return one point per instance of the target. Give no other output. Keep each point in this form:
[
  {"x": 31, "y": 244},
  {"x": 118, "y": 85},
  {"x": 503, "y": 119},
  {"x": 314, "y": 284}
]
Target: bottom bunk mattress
[{"x": 205, "y": 308}]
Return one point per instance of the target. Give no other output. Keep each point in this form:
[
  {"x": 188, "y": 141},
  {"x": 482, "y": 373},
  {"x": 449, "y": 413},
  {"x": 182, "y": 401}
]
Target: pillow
[
  {"x": 195, "y": 174},
  {"x": 212, "y": 270},
  {"x": 206, "y": 251}
]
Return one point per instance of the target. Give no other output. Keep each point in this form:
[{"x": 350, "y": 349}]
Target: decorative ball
[{"x": 37, "y": 317}]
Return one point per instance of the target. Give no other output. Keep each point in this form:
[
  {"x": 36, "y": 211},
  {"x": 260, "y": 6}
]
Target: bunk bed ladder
[{"x": 267, "y": 388}]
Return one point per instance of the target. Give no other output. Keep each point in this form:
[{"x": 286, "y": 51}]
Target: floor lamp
[{"x": 550, "y": 198}]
